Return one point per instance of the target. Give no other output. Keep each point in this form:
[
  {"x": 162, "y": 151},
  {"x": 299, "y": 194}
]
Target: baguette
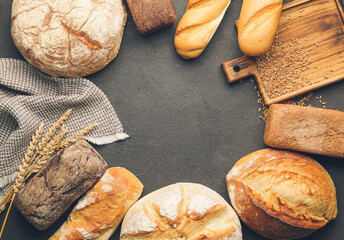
[
  {"x": 198, "y": 25},
  {"x": 257, "y": 25},
  {"x": 99, "y": 212}
]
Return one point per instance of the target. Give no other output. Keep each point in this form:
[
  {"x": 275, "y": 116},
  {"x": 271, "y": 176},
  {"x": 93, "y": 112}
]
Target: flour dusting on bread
[
  {"x": 168, "y": 203},
  {"x": 86, "y": 234},
  {"x": 236, "y": 236},
  {"x": 200, "y": 205},
  {"x": 107, "y": 178},
  {"x": 181, "y": 211},
  {"x": 139, "y": 223}
]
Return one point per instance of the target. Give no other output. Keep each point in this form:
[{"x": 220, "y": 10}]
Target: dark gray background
[{"x": 186, "y": 124}]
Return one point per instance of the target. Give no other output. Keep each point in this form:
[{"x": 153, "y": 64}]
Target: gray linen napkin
[{"x": 29, "y": 97}]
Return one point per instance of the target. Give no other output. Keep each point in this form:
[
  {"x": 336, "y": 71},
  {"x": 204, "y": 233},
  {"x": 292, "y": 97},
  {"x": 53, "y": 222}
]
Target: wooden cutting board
[{"x": 308, "y": 52}]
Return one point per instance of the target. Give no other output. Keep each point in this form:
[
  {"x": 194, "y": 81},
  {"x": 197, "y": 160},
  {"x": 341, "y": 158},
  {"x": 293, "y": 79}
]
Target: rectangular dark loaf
[
  {"x": 305, "y": 129},
  {"x": 59, "y": 183},
  {"x": 152, "y": 15}
]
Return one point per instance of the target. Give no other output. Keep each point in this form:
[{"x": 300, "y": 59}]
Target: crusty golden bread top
[
  {"x": 289, "y": 186},
  {"x": 101, "y": 209},
  {"x": 257, "y": 25},
  {"x": 181, "y": 211},
  {"x": 198, "y": 25}
]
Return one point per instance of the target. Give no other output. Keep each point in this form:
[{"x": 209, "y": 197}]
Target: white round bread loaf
[
  {"x": 68, "y": 38},
  {"x": 281, "y": 194},
  {"x": 181, "y": 211}
]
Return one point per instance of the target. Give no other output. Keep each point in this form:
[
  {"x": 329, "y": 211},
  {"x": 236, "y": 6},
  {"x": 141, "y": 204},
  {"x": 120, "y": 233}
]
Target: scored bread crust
[
  {"x": 181, "y": 211},
  {"x": 281, "y": 194},
  {"x": 257, "y": 25},
  {"x": 198, "y": 25},
  {"x": 68, "y": 38},
  {"x": 99, "y": 212}
]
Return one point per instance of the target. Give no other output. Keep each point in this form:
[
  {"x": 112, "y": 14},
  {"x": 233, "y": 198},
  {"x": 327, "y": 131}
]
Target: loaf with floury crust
[
  {"x": 257, "y": 25},
  {"x": 281, "y": 194},
  {"x": 181, "y": 211},
  {"x": 99, "y": 212},
  {"x": 68, "y": 38},
  {"x": 198, "y": 25}
]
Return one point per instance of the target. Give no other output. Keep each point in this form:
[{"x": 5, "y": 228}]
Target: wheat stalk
[
  {"x": 40, "y": 150},
  {"x": 25, "y": 162},
  {"x": 48, "y": 151},
  {"x": 47, "y": 136},
  {"x": 22, "y": 170},
  {"x": 53, "y": 130},
  {"x": 81, "y": 133}
]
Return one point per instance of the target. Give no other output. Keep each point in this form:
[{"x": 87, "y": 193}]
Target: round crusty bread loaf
[
  {"x": 68, "y": 38},
  {"x": 281, "y": 194},
  {"x": 181, "y": 211}
]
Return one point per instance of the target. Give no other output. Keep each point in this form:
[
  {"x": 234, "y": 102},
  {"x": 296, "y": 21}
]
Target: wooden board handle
[{"x": 240, "y": 68}]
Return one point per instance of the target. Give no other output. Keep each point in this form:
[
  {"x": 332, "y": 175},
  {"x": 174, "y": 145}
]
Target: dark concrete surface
[{"x": 185, "y": 122}]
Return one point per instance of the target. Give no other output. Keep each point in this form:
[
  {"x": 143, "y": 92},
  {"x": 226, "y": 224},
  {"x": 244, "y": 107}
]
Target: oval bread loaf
[
  {"x": 198, "y": 25},
  {"x": 99, "y": 212},
  {"x": 181, "y": 211},
  {"x": 281, "y": 194},
  {"x": 68, "y": 38},
  {"x": 257, "y": 25},
  {"x": 60, "y": 182}
]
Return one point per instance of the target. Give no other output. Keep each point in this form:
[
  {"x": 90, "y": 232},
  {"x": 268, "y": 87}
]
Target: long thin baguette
[
  {"x": 198, "y": 25},
  {"x": 257, "y": 25}
]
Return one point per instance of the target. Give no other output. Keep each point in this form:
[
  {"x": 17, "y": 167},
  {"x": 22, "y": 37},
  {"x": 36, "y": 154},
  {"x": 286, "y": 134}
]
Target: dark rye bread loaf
[
  {"x": 306, "y": 129},
  {"x": 152, "y": 15},
  {"x": 59, "y": 183}
]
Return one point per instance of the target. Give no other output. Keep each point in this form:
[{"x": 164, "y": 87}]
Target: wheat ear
[
  {"x": 38, "y": 154},
  {"x": 22, "y": 169},
  {"x": 47, "y": 137},
  {"x": 25, "y": 163},
  {"x": 81, "y": 133},
  {"x": 47, "y": 152}
]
